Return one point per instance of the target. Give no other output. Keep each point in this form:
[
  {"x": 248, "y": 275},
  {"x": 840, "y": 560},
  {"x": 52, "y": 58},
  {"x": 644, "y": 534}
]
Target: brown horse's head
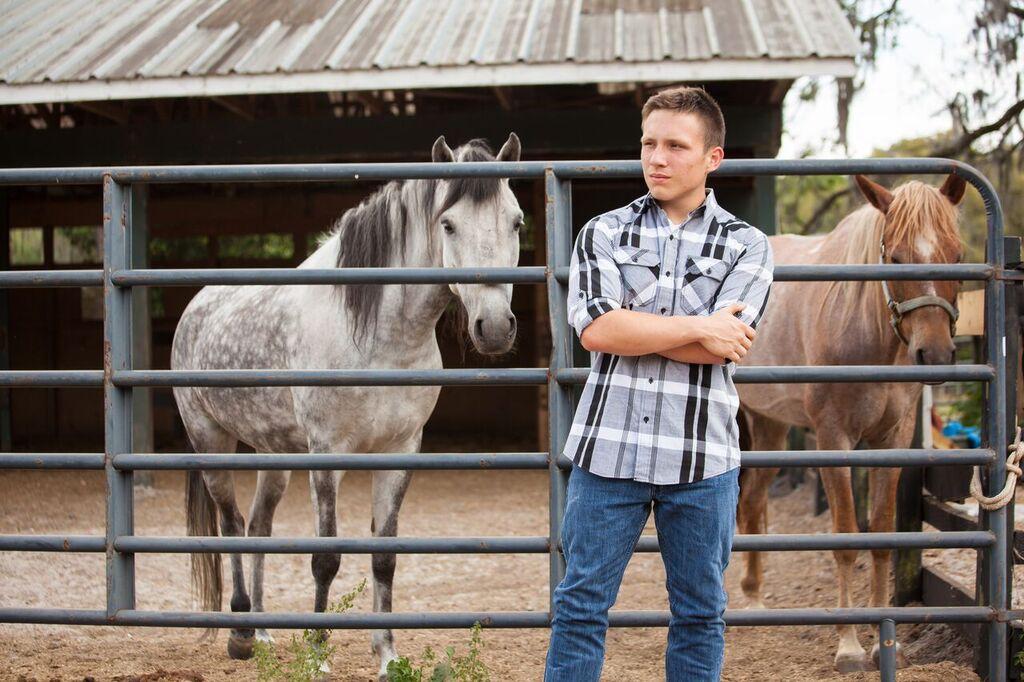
[{"x": 920, "y": 226}]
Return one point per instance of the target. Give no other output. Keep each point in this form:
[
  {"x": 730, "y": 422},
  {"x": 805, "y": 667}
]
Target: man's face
[{"x": 672, "y": 152}]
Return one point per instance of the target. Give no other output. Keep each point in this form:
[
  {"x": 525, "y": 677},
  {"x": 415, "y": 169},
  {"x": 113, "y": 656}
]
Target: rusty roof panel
[{"x": 117, "y": 40}]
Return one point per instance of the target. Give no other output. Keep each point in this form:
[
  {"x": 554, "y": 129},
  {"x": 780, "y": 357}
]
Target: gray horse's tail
[{"x": 201, "y": 512}]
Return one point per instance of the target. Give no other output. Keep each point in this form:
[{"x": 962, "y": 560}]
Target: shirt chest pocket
[
  {"x": 701, "y": 282},
  {"x": 640, "y": 269}
]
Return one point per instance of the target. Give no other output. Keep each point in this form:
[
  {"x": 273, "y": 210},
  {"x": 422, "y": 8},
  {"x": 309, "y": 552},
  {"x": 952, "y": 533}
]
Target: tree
[{"x": 985, "y": 125}]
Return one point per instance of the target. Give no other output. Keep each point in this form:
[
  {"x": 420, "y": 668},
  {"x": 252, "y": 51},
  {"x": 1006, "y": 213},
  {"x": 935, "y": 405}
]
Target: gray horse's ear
[
  {"x": 441, "y": 152},
  {"x": 953, "y": 188},
  {"x": 510, "y": 150},
  {"x": 877, "y": 196}
]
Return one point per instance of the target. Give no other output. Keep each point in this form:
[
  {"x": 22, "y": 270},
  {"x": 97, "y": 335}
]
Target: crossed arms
[{"x": 723, "y": 336}]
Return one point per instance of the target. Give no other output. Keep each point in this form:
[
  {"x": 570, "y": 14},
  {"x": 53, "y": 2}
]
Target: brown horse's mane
[{"x": 918, "y": 212}]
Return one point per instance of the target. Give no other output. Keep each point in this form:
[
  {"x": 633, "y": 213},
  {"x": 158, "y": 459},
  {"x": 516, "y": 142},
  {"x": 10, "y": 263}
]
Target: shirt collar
[{"x": 705, "y": 211}]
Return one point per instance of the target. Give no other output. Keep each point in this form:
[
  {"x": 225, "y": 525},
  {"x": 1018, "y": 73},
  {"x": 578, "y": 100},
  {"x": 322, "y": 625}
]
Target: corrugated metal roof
[{"x": 56, "y": 42}]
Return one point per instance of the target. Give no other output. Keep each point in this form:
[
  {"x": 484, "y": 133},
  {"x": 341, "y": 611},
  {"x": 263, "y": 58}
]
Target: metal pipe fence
[{"x": 118, "y": 379}]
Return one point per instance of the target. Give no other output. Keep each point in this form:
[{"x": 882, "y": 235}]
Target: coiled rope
[{"x": 1003, "y": 497}]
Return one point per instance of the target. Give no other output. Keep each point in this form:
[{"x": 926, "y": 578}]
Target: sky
[{"x": 906, "y": 92}]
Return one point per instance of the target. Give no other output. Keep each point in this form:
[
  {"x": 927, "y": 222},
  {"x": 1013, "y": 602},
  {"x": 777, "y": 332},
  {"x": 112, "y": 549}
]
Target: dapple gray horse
[{"x": 415, "y": 223}]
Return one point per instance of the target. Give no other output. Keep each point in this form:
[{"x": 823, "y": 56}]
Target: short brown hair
[{"x": 694, "y": 101}]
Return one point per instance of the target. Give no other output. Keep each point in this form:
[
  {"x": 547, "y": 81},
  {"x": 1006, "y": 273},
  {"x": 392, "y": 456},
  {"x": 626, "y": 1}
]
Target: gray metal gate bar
[
  {"x": 558, "y": 232},
  {"x": 117, "y": 408},
  {"x": 566, "y": 170},
  {"x": 797, "y": 374},
  {"x": 491, "y": 619},
  {"x": 449, "y": 461},
  {"x": 887, "y": 649},
  {"x": 794, "y": 542}
]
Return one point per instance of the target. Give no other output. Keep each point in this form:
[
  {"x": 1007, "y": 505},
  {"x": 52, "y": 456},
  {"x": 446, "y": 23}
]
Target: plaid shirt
[{"x": 646, "y": 417}]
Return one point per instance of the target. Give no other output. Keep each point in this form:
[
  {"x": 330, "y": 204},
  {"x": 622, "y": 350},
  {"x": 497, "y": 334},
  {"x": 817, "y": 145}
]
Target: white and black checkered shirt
[{"x": 646, "y": 417}]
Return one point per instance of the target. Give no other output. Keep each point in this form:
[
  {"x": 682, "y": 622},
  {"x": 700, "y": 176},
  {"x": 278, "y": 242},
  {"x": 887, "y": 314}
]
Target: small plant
[
  {"x": 468, "y": 668},
  {"x": 306, "y": 654}
]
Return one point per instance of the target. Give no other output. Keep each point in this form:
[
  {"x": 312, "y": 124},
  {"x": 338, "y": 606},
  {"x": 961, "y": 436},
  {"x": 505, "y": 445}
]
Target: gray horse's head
[{"x": 477, "y": 225}]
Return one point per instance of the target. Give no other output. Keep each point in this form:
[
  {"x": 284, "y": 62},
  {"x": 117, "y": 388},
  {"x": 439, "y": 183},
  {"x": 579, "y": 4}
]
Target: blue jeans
[{"x": 604, "y": 518}]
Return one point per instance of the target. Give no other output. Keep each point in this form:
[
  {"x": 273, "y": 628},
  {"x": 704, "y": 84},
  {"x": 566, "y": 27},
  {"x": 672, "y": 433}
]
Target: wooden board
[{"x": 971, "y": 305}]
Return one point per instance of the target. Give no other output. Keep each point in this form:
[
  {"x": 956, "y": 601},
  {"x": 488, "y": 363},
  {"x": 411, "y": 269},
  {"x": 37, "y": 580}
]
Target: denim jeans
[{"x": 604, "y": 518}]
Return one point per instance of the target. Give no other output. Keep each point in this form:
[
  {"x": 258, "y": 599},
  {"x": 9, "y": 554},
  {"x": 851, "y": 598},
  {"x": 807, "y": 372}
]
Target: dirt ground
[{"x": 438, "y": 503}]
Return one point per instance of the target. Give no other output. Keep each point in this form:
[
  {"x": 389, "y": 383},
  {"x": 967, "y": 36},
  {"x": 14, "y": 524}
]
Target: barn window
[
  {"x": 75, "y": 245},
  {"x": 179, "y": 248},
  {"x": 264, "y": 246},
  {"x": 26, "y": 246}
]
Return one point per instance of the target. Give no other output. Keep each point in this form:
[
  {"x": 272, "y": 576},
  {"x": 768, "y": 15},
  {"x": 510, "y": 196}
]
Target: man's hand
[{"x": 725, "y": 335}]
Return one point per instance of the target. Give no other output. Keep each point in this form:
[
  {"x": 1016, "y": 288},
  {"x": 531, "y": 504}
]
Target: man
[{"x": 665, "y": 293}]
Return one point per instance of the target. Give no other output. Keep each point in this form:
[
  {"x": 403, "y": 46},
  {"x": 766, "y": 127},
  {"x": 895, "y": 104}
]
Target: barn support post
[
  {"x": 909, "y": 518},
  {"x": 5, "y": 332},
  {"x": 558, "y": 228},
  {"x": 142, "y": 399},
  {"x": 117, "y": 332}
]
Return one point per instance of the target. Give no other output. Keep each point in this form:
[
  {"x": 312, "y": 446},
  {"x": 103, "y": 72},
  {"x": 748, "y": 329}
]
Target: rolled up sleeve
[
  {"x": 749, "y": 281},
  {"x": 595, "y": 286}
]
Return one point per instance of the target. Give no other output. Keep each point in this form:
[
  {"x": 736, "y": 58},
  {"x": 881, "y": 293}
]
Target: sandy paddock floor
[{"x": 438, "y": 503}]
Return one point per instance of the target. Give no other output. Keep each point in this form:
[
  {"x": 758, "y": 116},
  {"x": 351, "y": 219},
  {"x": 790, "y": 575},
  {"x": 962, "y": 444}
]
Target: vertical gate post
[
  {"x": 142, "y": 399},
  {"x": 558, "y": 228},
  {"x": 909, "y": 518},
  {"x": 994, "y": 575},
  {"x": 117, "y": 321}
]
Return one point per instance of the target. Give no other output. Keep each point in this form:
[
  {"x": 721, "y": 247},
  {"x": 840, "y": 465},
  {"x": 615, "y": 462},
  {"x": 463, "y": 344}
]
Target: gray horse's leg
[
  {"x": 222, "y": 490},
  {"x": 270, "y": 487},
  {"x": 389, "y": 489},
  {"x": 323, "y": 488}
]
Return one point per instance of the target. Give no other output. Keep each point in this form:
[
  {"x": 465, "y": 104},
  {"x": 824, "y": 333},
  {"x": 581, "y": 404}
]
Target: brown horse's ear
[
  {"x": 953, "y": 188},
  {"x": 441, "y": 152},
  {"x": 877, "y": 196}
]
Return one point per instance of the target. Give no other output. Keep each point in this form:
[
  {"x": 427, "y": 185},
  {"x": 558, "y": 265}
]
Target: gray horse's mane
[{"x": 373, "y": 233}]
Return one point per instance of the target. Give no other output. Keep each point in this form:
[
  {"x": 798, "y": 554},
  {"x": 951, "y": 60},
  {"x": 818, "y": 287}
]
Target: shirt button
[
  {"x": 664, "y": 310},
  {"x": 671, "y": 237},
  {"x": 582, "y": 295},
  {"x": 646, "y": 419},
  {"x": 634, "y": 259},
  {"x": 650, "y": 380},
  {"x": 668, "y": 273}
]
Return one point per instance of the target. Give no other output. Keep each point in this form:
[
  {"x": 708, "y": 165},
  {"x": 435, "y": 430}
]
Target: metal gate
[{"x": 118, "y": 378}]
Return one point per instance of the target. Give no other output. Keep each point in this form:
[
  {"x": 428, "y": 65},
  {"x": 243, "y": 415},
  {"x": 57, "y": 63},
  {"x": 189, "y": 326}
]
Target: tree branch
[
  {"x": 823, "y": 208},
  {"x": 960, "y": 144}
]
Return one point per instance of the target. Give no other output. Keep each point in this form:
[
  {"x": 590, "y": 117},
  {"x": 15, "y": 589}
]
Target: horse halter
[{"x": 898, "y": 309}]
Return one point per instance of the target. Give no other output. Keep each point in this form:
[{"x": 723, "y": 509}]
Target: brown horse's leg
[
  {"x": 752, "y": 519},
  {"x": 850, "y": 656},
  {"x": 752, "y": 514},
  {"x": 883, "y": 520}
]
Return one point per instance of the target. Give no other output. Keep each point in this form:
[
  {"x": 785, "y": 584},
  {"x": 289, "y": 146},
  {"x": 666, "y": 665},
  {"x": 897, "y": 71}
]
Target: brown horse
[{"x": 852, "y": 323}]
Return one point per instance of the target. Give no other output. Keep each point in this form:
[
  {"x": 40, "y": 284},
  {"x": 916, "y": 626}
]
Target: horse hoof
[
  {"x": 240, "y": 648},
  {"x": 901, "y": 660},
  {"x": 264, "y": 636},
  {"x": 853, "y": 664}
]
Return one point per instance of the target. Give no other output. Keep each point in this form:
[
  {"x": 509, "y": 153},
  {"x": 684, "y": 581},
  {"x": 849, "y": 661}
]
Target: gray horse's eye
[
  {"x": 518, "y": 224},
  {"x": 447, "y": 225}
]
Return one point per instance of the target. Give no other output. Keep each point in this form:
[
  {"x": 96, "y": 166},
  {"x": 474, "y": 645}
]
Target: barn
[{"x": 231, "y": 81}]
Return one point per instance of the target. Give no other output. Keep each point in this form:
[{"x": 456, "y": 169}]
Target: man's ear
[{"x": 715, "y": 157}]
